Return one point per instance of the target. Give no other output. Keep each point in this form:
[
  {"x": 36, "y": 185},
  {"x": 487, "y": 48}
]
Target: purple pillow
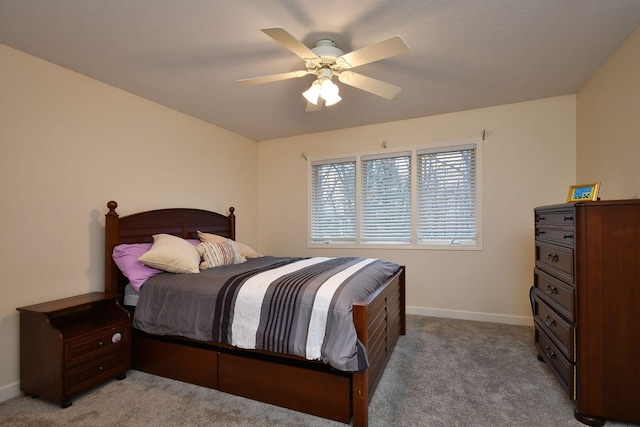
[{"x": 126, "y": 258}]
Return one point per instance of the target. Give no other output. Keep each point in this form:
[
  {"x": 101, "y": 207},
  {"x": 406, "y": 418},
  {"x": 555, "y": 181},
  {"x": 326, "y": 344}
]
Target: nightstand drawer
[
  {"x": 555, "y": 260},
  {"x": 86, "y": 348},
  {"x": 96, "y": 371}
]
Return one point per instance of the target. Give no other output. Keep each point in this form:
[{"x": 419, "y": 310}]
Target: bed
[{"x": 285, "y": 380}]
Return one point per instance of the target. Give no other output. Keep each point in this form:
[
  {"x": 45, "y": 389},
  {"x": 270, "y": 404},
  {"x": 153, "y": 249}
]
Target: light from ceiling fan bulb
[
  {"x": 312, "y": 93},
  {"x": 332, "y": 100},
  {"x": 329, "y": 92},
  {"x": 328, "y": 88}
]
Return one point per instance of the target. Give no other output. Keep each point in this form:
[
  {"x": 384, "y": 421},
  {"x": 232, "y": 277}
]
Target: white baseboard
[
  {"x": 471, "y": 315},
  {"x": 9, "y": 391}
]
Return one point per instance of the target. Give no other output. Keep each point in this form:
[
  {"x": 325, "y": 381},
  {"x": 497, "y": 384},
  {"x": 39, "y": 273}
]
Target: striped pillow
[{"x": 216, "y": 254}]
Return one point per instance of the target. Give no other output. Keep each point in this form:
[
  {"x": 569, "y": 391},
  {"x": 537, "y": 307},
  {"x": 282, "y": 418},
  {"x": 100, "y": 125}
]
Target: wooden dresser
[
  {"x": 71, "y": 345},
  {"x": 586, "y": 304}
]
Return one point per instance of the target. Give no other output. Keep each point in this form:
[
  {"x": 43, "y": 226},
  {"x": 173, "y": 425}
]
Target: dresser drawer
[
  {"x": 560, "y": 366},
  {"x": 563, "y": 217},
  {"x": 95, "y": 345},
  {"x": 96, "y": 371},
  {"x": 558, "y": 294},
  {"x": 563, "y": 237},
  {"x": 555, "y": 260},
  {"x": 561, "y": 332}
]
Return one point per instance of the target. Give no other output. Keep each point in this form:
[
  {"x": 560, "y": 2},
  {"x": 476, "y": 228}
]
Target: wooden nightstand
[{"x": 71, "y": 345}]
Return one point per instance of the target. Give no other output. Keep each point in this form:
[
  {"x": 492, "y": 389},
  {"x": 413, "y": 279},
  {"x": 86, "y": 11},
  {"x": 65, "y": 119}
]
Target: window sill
[{"x": 399, "y": 246}]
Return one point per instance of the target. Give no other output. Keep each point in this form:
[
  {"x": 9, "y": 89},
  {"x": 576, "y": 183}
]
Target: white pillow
[
  {"x": 172, "y": 254},
  {"x": 218, "y": 254},
  {"x": 246, "y": 251}
]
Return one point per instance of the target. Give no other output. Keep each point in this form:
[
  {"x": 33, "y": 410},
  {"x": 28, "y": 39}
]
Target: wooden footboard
[{"x": 379, "y": 321}]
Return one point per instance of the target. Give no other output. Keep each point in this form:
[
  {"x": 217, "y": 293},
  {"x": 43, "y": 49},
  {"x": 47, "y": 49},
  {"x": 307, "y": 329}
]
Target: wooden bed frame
[{"x": 286, "y": 381}]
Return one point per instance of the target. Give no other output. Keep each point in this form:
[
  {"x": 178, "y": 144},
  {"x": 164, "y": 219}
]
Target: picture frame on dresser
[{"x": 583, "y": 192}]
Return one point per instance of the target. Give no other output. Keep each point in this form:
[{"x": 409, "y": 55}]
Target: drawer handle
[
  {"x": 539, "y": 232},
  {"x": 100, "y": 368},
  {"x": 551, "y": 290},
  {"x": 568, "y": 218},
  {"x": 550, "y": 354},
  {"x": 115, "y": 338},
  {"x": 567, "y": 236},
  {"x": 552, "y": 257},
  {"x": 540, "y": 218},
  {"x": 100, "y": 344},
  {"x": 549, "y": 321}
]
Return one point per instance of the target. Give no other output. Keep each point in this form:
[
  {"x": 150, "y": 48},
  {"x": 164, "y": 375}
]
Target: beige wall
[
  {"x": 529, "y": 160},
  {"x": 69, "y": 144},
  {"x": 608, "y": 125}
]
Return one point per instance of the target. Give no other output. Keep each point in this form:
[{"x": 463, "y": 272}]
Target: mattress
[
  {"x": 130, "y": 296},
  {"x": 297, "y": 306}
]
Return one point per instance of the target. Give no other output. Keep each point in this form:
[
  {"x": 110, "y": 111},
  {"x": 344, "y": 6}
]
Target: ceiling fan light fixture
[
  {"x": 324, "y": 88},
  {"x": 334, "y": 99},
  {"x": 329, "y": 92},
  {"x": 313, "y": 93}
]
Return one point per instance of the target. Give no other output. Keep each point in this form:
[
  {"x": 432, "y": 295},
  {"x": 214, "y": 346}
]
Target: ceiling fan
[{"x": 325, "y": 60}]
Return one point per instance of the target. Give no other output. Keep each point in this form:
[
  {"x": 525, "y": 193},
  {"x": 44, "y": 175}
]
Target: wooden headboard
[{"x": 140, "y": 228}]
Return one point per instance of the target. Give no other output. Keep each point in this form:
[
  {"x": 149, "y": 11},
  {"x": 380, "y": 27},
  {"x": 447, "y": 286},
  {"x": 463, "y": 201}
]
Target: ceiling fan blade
[
  {"x": 280, "y": 35},
  {"x": 368, "y": 84},
  {"x": 272, "y": 78},
  {"x": 375, "y": 52}
]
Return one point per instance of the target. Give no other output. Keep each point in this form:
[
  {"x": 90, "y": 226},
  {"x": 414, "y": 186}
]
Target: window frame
[{"x": 390, "y": 152}]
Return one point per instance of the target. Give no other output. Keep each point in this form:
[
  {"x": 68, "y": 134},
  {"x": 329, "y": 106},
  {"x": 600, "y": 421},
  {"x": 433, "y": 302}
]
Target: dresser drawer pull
[
  {"x": 568, "y": 218},
  {"x": 540, "y": 218},
  {"x": 552, "y": 257},
  {"x": 551, "y": 290},
  {"x": 550, "y": 354},
  {"x": 100, "y": 344},
  {"x": 567, "y": 236},
  {"x": 116, "y": 338},
  {"x": 539, "y": 232},
  {"x": 549, "y": 321},
  {"x": 100, "y": 368}
]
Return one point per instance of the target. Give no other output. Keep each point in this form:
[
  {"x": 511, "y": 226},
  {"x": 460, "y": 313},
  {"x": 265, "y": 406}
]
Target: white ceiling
[{"x": 187, "y": 54}]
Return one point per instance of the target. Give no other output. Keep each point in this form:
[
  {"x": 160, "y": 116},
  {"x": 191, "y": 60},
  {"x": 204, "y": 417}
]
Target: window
[
  {"x": 333, "y": 201},
  {"x": 416, "y": 198},
  {"x": 447, "y": 196},
  {"x": 385, "y": 207}
]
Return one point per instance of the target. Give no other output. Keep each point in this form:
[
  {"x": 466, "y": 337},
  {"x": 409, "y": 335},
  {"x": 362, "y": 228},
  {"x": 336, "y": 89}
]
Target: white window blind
[
  {"x": 419, "y": 197},
  {"x": 333, "y": 201},
  {"x": 447, "y": 205},
  {"x": 385, "y": 209}
]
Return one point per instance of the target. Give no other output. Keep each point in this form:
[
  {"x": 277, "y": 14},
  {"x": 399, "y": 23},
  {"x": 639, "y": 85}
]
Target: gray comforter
[{"x": 297, "y": 306}]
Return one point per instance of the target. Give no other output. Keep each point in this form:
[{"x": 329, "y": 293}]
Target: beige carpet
[{"x": 443, "y": 373}]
